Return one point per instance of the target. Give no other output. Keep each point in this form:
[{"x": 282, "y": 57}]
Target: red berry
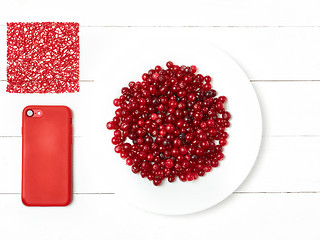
[
  {"x": 182, "y": 178},
  {"x": 111, "y": 125},
  {"x": 153, "y": 116},
  {"x": 222, "y": 142},
  {"x": 116, "y": 102},
  {"x": 222, "y": 99},
  {"x": 155, "y": 76},
  {"x": 193, "y": 68},
  {"x": 169, "y": 163},
  {"x": 150, "y": 157},
  {"x": 207, "y": 79},
  {"x": 157, "y": 182},
  {"x": 135, "y": 168},
  {"x": 169, "y": 64},
  {"x": 190, "y": 177},
  {"x": 171, "y": 178},
  {"x": 145, "y": 77},
  {"x": 157, "y": 68},
  {"x": 129, "y": 161},
  {"x": 174, "y": 123},
  {"x": 170, "y": 128}
]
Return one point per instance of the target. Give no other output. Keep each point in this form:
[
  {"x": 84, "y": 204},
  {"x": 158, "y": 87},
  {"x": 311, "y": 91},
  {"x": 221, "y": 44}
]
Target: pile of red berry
[{"x": 175, "y": 122}]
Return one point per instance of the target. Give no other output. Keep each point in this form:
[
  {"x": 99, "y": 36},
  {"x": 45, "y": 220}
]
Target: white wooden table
[{"x": 278, "y": 45}]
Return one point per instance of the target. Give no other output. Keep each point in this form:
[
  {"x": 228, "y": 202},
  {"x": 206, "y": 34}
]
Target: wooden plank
[
  {"x": 285, "y": 164},
  {"x": 284, "y": 111},
  {"x": 287, "y": 107},
  {"x": 264, "y": 53},
  {"x": 168, "y": 13},
  {"x": 11, "y": 106},
  {"x": 91, "y": 170},
  {"x": 249, "y": 216}
]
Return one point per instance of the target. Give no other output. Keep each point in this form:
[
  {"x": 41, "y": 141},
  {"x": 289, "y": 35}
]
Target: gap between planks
[
  {"x": 3, "y": 80},
  {"x": 271, "y": 136},
  {"x": 21, "y": 136},
  {"x": 193, "y": 26},
  {"x": 251, "y": 80},
  {"x": 101, "y": 193}
]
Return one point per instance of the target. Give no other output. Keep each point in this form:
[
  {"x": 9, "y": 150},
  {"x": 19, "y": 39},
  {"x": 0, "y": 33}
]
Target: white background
[{"x": 277, "y": 43}]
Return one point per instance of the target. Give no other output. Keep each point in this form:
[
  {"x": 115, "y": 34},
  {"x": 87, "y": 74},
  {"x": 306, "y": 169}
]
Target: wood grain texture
[
  {"x": 167, "y": 13},
  {"x": 256, "y": 216},
  {"x": 284, "y": 164},
  {"x": 264, "y": 53},
  {"x": 287, "y": 108},
  {"x": 277, "y": 45}
]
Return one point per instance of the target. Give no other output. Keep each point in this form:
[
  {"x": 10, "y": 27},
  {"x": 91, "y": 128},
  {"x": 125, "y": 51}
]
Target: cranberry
[
  {"x": 153, "y": 116},
  {"x": 182, "y": 178},
  {"x": 201, "y": 172},
  {"x": 169, "y": 64},
  {"x": 215, "y": 164},
  {"x": 174, "y": 123},
  {"x": 222, "y": 142},
  {"x": 226, "y": 115},
  {"x": 171, "y": 178},
  {"x": 220, "y": 156},
  {"x": 118, "y": 149},
  {"x": 157, "y": 181},
  {"x": 150, "y": 157},
  {"x": 111, "y": 125},
  {"x": 170, "y": 128},
  {"x": 189, "y": 177},
  {"x": 193, "y": 68},
  {"x": 135, "y": 168},
  {"x": 169, "y": 163},
  {"x": 222, "y": 99},
  {"x": 129, "y": 161},
  {"x": 116, "y": 102}
]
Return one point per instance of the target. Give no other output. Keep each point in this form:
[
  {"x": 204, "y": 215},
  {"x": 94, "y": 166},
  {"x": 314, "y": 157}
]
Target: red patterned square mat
[{"x": 43, "y": 57}]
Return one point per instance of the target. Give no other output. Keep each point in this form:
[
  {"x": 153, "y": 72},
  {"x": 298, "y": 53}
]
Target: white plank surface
[
  {"x": 11, "y": 113},
  {"x": 264, "y": 53},
  {"x": 278, "y": 168},
  {"x": 287, "y": 107},
  {"x": 275, "y": 42},
  {"x": 241, "y": 216},
  {"x": 285, "y": 164},
  {"x": 92, "y": 168},
  {"x": 166, "y": 12}
]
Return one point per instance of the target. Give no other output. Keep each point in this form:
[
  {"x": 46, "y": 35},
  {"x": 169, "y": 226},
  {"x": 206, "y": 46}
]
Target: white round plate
[{"x": 244, "y": 134}]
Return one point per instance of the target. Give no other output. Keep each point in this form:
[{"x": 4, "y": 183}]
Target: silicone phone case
[{"x": 47, "y": 156}]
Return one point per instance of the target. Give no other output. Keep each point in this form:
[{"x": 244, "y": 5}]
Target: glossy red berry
[
  {"x": 111, "y": 125},
  {"x": 222, "y": 142},
  {"x": 129, "y": 161},
  {"x": 116, "y": 102},
  {"x": 170, "y": 128},
  {"x": 193, "y": 68},
  {"x": 170, "y": 125},
  {"x": 169, "y": 64},
  {"x": 222, "y": 99},
  {"x": 189, "y": 177},
  {"x": 153, "y": 116},
  {"x": 171, "y": 178},
  {"x": 150, "y": 157},
  {"x": 157, "y": 182},
  {"x": 169, "y": 163}
]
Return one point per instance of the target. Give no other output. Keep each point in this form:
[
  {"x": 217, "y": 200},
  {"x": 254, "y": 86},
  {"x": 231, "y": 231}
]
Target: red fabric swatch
[{"x": 43, "y": 57}]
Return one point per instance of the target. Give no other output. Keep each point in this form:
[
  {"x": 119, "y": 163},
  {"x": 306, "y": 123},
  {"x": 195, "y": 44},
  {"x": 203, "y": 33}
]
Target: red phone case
[{"x": 47, "y": 156}]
